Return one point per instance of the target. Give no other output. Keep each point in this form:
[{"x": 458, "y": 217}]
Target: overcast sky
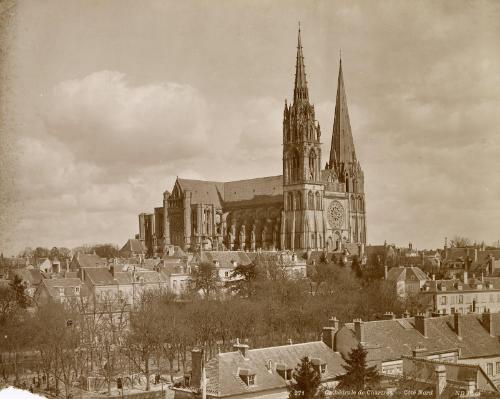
[{"x": 109, "y": 101}]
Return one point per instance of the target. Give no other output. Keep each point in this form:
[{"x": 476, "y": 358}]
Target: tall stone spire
[
  {"x": 300, "y": 91},
  {"x": 342, "y": 150}
]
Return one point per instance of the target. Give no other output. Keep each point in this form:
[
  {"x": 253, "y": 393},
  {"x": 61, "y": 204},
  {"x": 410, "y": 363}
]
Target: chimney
[
  {"x": 457, "y": 324},
  {"x": 385, "y": 272},
  {"x": 388, "y": 316},
  {"x": 334, "y": 322},
  {"x": 440, "y": 379},
  {"x": 475, "y": 254},
  {"x": 419, "y": 352},
  {"x": 471, "y": 387},
  {"x": 359, "y": 328},
  {"x": 328, "y": 333},
  {"x": 421, "y": 324},
  {"x": 488, "y": 322},
  {"x": 112, "y": 270},
  {"x": 410, "y": 246},
  {"x": 242, "y": 348},
  {"x": 196, "y": 367},
  {"x": 466, "y": 278}
]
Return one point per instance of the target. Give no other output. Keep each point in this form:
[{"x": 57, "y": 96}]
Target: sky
[{"x": 107, "y": 102}]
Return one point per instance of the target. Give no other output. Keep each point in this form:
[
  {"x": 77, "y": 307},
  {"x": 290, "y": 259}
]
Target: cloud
[{"x": 107, "y": 121}]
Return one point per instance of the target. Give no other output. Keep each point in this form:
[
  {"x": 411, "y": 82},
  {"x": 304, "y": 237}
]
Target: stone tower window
[
  {"x": 312, "y": 165},
  {"x": 310, "y": 200}
]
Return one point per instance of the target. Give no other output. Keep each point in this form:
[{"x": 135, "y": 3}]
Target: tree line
[{"x": 260, "y": 305}]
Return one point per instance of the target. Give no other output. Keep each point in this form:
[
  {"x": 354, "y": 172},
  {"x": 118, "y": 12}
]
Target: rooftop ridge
[
  {"x": 434, "y": 361},
  {"x": 274, "y": 347}
]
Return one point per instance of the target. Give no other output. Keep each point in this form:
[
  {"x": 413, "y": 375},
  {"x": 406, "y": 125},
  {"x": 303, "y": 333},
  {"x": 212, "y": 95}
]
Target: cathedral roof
[
  {"x": 250, "y": 189},
  {"x": 203, "y": 192},
  {"x": 262, "y": 189}
]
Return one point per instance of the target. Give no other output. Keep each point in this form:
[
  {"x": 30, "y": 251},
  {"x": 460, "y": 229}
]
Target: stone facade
[{"x": 305, "y": 208}]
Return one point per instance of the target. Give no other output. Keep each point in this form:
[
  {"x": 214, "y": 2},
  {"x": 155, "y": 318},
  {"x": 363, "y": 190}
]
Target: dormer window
[
  {"x": 61, "y": 291},
  {"x": 248, "y": 376},
  {"x": 284, "y": 371},
  {"x": 319, "y": 365}
]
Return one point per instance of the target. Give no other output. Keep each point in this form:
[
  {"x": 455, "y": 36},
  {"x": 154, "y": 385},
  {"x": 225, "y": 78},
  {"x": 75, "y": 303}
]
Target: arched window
[
  {"x": 318, "y": 201},
  {"x": 294, "y": 165},
  {"x": 312, "y": 165},
  {"x": 310, "y": 200},
  {"x": 298, "y": 200}
]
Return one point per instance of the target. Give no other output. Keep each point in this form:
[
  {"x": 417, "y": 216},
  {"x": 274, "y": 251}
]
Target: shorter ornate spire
[{"x": 300, "y": 91}]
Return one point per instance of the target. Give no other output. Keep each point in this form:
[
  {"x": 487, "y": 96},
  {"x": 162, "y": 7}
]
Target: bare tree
[
  {"x": 460, "y": 242},
  {"x": 144, "y": 337}
]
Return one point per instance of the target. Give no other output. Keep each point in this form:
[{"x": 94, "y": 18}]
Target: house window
[
  {"x": 250, "y": 380},
  {"x": 77, "y": 290},
  {"x": 323, "y": 368},
  {"x": 226, "y": 274},
  {"x": 498, "y": 367},
  {"x": 489, "y": 368},
  {"x": 443, "y": 300},
  {"x": 460, "y": 299}
]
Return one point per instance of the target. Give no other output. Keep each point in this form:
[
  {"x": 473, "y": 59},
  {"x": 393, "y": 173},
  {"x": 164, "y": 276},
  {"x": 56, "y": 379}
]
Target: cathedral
[{"x": 305, "y": 208}]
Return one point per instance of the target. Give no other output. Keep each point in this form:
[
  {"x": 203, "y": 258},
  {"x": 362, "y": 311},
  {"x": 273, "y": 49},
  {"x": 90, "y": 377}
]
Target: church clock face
[{"x": 335, "y": 214}]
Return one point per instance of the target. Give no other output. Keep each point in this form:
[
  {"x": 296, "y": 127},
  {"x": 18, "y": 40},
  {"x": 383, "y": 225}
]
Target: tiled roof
[
  {"x": 222, "y": 371},
  {"x": 101, "y": 276},
  {"x": 90, "y": 260},
  {"x": 456, "y": 373},
  {"x": 399, "y": 337},
  {"x": 123, "y": 278},
  {"x": 54, "y": 285},
  {"x": 406, "y": 273},
  {"x": 150, "y": 276},
  {"x": 225, "y": 258},
  {"x": 473, "y": 284},
  {"x": 150, "y": 263},
  {"x": 133, "y": 245},
  {"x": 169, "y": 269},
  {"x": 175, "y": 253}
]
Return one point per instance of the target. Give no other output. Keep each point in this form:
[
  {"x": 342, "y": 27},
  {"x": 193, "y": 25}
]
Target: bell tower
[{"x": 302, "y": 220}]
